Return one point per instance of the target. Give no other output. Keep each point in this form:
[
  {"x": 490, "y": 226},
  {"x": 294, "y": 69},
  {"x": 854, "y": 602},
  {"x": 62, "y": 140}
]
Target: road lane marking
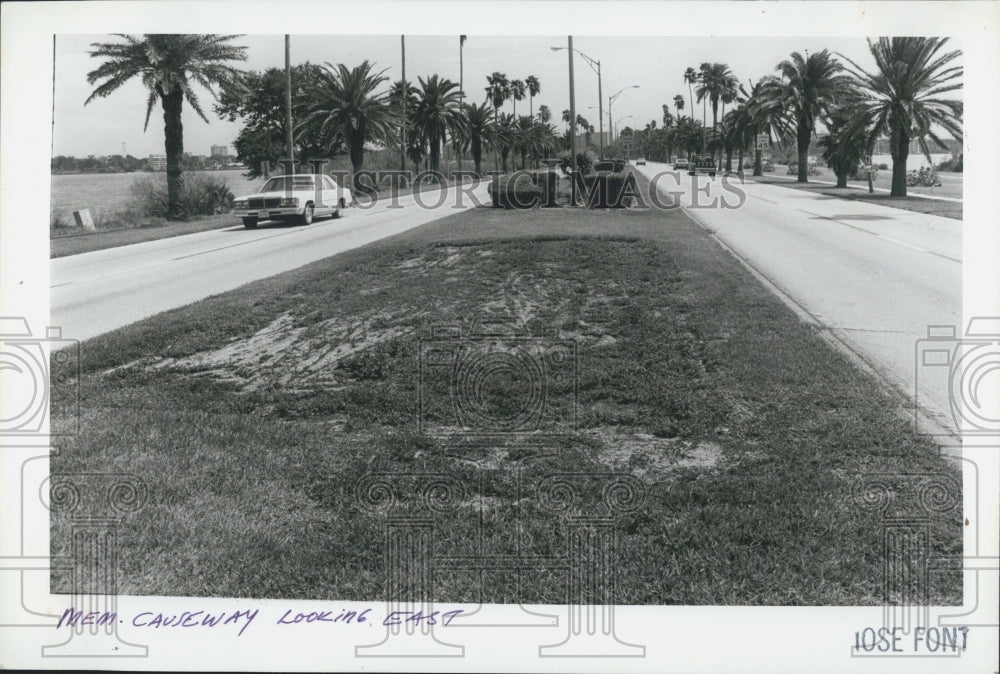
[{"x": 879, "y": 236}]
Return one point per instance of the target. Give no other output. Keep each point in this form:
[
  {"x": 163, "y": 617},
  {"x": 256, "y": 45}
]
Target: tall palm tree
[
  {"x": 767, "y": 114},
  {"x": 689, "y": 135},
  {"x": 479, "y": 121},
  {"x": 544, "y": 114},
  {"x": 679, "y": 104},
  {"x": 344, "y": 105},
  {"x": 903, "y": 97},
  {"x": 395, "y": 102},
  {"x": 497, "y": 92},
  {"x": 808, "y": 88},
  {"x": 534, "y": 88},
  {"x": 167, "y": 66},
  {"x": 504, "y": 136},
  {"x": 691, "y": 77},
  {"x": 844, "y": 146},
  {"x": 517, "y": 92},
  {"x": 438, "y": 109},
  {"x": 702, "y": 97}
]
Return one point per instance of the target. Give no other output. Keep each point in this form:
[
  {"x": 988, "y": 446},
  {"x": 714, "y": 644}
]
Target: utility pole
[
  {"x": 600, "y": 109},
  {"x": 572, "y": 125},
  {"x": 402, "y": 146},
  {"x": 461, "y": 89},
  {"x": 288, "y": 101}
]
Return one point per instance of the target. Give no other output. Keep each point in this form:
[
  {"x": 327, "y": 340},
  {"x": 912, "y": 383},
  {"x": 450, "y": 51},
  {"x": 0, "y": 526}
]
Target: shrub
[
  {"x": 861, "y": 172},
  {"x": 608, "y": 190},
  {"x": 793, "y": 169},
  {"x": 953, "y": 164},
  {"x": 511, "y": 193},
  {"x": 584, "y": 162},
  {"x": 767, "y": 166},
  {"x": 200, "y": 195},
  {"x": 883, "y": 167}
]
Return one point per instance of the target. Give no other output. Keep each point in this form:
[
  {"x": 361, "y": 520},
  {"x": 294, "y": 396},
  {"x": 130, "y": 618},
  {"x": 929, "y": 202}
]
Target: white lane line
[{"x": 880, "y": 236}]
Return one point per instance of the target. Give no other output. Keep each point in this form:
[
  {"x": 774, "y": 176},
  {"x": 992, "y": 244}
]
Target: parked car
[
  {"x": 681, "y": 164},
  {"x": 640, "y": 161},
  {"x": 296, "y": 198}
]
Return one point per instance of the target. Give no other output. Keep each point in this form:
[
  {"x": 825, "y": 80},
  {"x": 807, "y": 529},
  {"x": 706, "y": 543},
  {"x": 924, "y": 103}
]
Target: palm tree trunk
[
  {"x": 842, "y": 180},
  {"x": 435, "y": 154},
  {"x": 804, "y": 135},
  {"x": 899, "y": 147},
  {"x": 758, "y": 169},
  {"x": 357, "y": 158},
  {"x": 477, "y": 153},
  {"x": 173, "y": 140}
]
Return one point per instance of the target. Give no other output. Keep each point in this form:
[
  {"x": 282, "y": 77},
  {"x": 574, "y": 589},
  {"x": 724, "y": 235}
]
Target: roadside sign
[
  {"x": 761, "y": 141},
  {"x": 627, "y": 143}
]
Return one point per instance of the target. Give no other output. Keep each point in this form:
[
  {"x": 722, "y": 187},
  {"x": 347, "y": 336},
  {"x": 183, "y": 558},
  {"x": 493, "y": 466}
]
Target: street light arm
[{"x": 594, "y": 65}]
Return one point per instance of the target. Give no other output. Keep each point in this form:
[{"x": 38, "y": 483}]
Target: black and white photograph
[{"x": 638, "y": 349}]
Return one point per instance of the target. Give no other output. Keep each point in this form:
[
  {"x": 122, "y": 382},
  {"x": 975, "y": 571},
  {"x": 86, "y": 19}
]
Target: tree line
[
  {"x": 341, "y": 109},
  {"x": 906, "y": 98}
]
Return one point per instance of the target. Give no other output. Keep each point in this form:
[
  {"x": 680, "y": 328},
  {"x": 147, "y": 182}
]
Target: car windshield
[{"x": 288, "y": 183}]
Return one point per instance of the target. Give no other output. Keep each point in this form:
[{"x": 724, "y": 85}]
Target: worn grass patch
[{"x": 281, "y": 427}]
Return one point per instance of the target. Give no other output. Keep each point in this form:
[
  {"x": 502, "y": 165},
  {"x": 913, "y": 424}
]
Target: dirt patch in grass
[{"x": 280, "y": 425}]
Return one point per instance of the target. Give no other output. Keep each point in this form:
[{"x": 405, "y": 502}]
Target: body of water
[{"x": 106, "y": 191}]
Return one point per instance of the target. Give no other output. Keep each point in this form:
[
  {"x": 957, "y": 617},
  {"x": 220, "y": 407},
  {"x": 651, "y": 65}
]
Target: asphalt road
[
  {"x": 874, "y": 277},
  {"x": 96, "y": 292}
]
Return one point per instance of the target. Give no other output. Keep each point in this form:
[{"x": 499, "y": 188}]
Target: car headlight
[
  {"x": 240, "y": 203},
  {"x": 289, "y": 202}
]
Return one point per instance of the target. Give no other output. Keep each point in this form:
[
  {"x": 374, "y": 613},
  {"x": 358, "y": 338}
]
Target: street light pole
[
  {"x": 595, "y": 65},
  {"x": 611, "y": 99},
  {"x": 402, "y": 133},
  {"x": 572, "y": 124},
  {"x": 288, "y": 101}
]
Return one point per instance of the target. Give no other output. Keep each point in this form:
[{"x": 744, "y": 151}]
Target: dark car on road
[{"x": 702, "y": 163}]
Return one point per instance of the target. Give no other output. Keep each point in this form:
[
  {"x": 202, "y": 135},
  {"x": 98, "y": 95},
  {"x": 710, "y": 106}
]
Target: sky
[{"x": 655, "y": 64}]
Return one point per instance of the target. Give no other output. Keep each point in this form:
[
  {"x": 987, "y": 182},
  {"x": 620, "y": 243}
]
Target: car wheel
[
  {"x": 307, "y": 215},
  {"x": 339, "y": 213},
  {"x": 250, "y": 223}
]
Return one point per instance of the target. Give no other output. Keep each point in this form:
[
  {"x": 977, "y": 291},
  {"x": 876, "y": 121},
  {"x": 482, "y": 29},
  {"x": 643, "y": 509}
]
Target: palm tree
[
  {"x": 517, "y": 91},
  {"x": 479, "y": 122},
  {"x": 544, "y": 114},
  {"x": 767, "y": 115},
  {"x": 903, "y": 97},
  {"x": 438, "y": 109},
  {"x": 690, "y": 77},
  {"x": 497, "y": 91},
  {"x": 344, "y": 105},
  {"x": 689, "y": 135},
  {"x": 679, "y": 104},
  {"x": 808, "y": 88},
  {"x": 395, "y": 102},
  {"x": 167, "y": 66},
  {"x": 845, "y": 146},
  {"x": 504, "y": 136},
  {"x": 534, "y": 88}
]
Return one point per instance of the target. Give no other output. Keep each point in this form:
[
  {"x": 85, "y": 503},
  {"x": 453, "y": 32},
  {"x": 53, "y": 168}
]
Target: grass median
[{"x": 266, "y": 420}]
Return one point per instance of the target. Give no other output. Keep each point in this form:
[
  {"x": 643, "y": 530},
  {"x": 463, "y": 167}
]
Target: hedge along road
[
  {"x": 873, "y": 277},
  {"x": 96, "y": 292}
]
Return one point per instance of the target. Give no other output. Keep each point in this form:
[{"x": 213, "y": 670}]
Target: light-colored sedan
[{"x": 297, "y": 198}]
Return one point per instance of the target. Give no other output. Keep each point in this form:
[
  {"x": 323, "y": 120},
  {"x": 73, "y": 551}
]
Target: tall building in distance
[{"x": 220, "y": 151}]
